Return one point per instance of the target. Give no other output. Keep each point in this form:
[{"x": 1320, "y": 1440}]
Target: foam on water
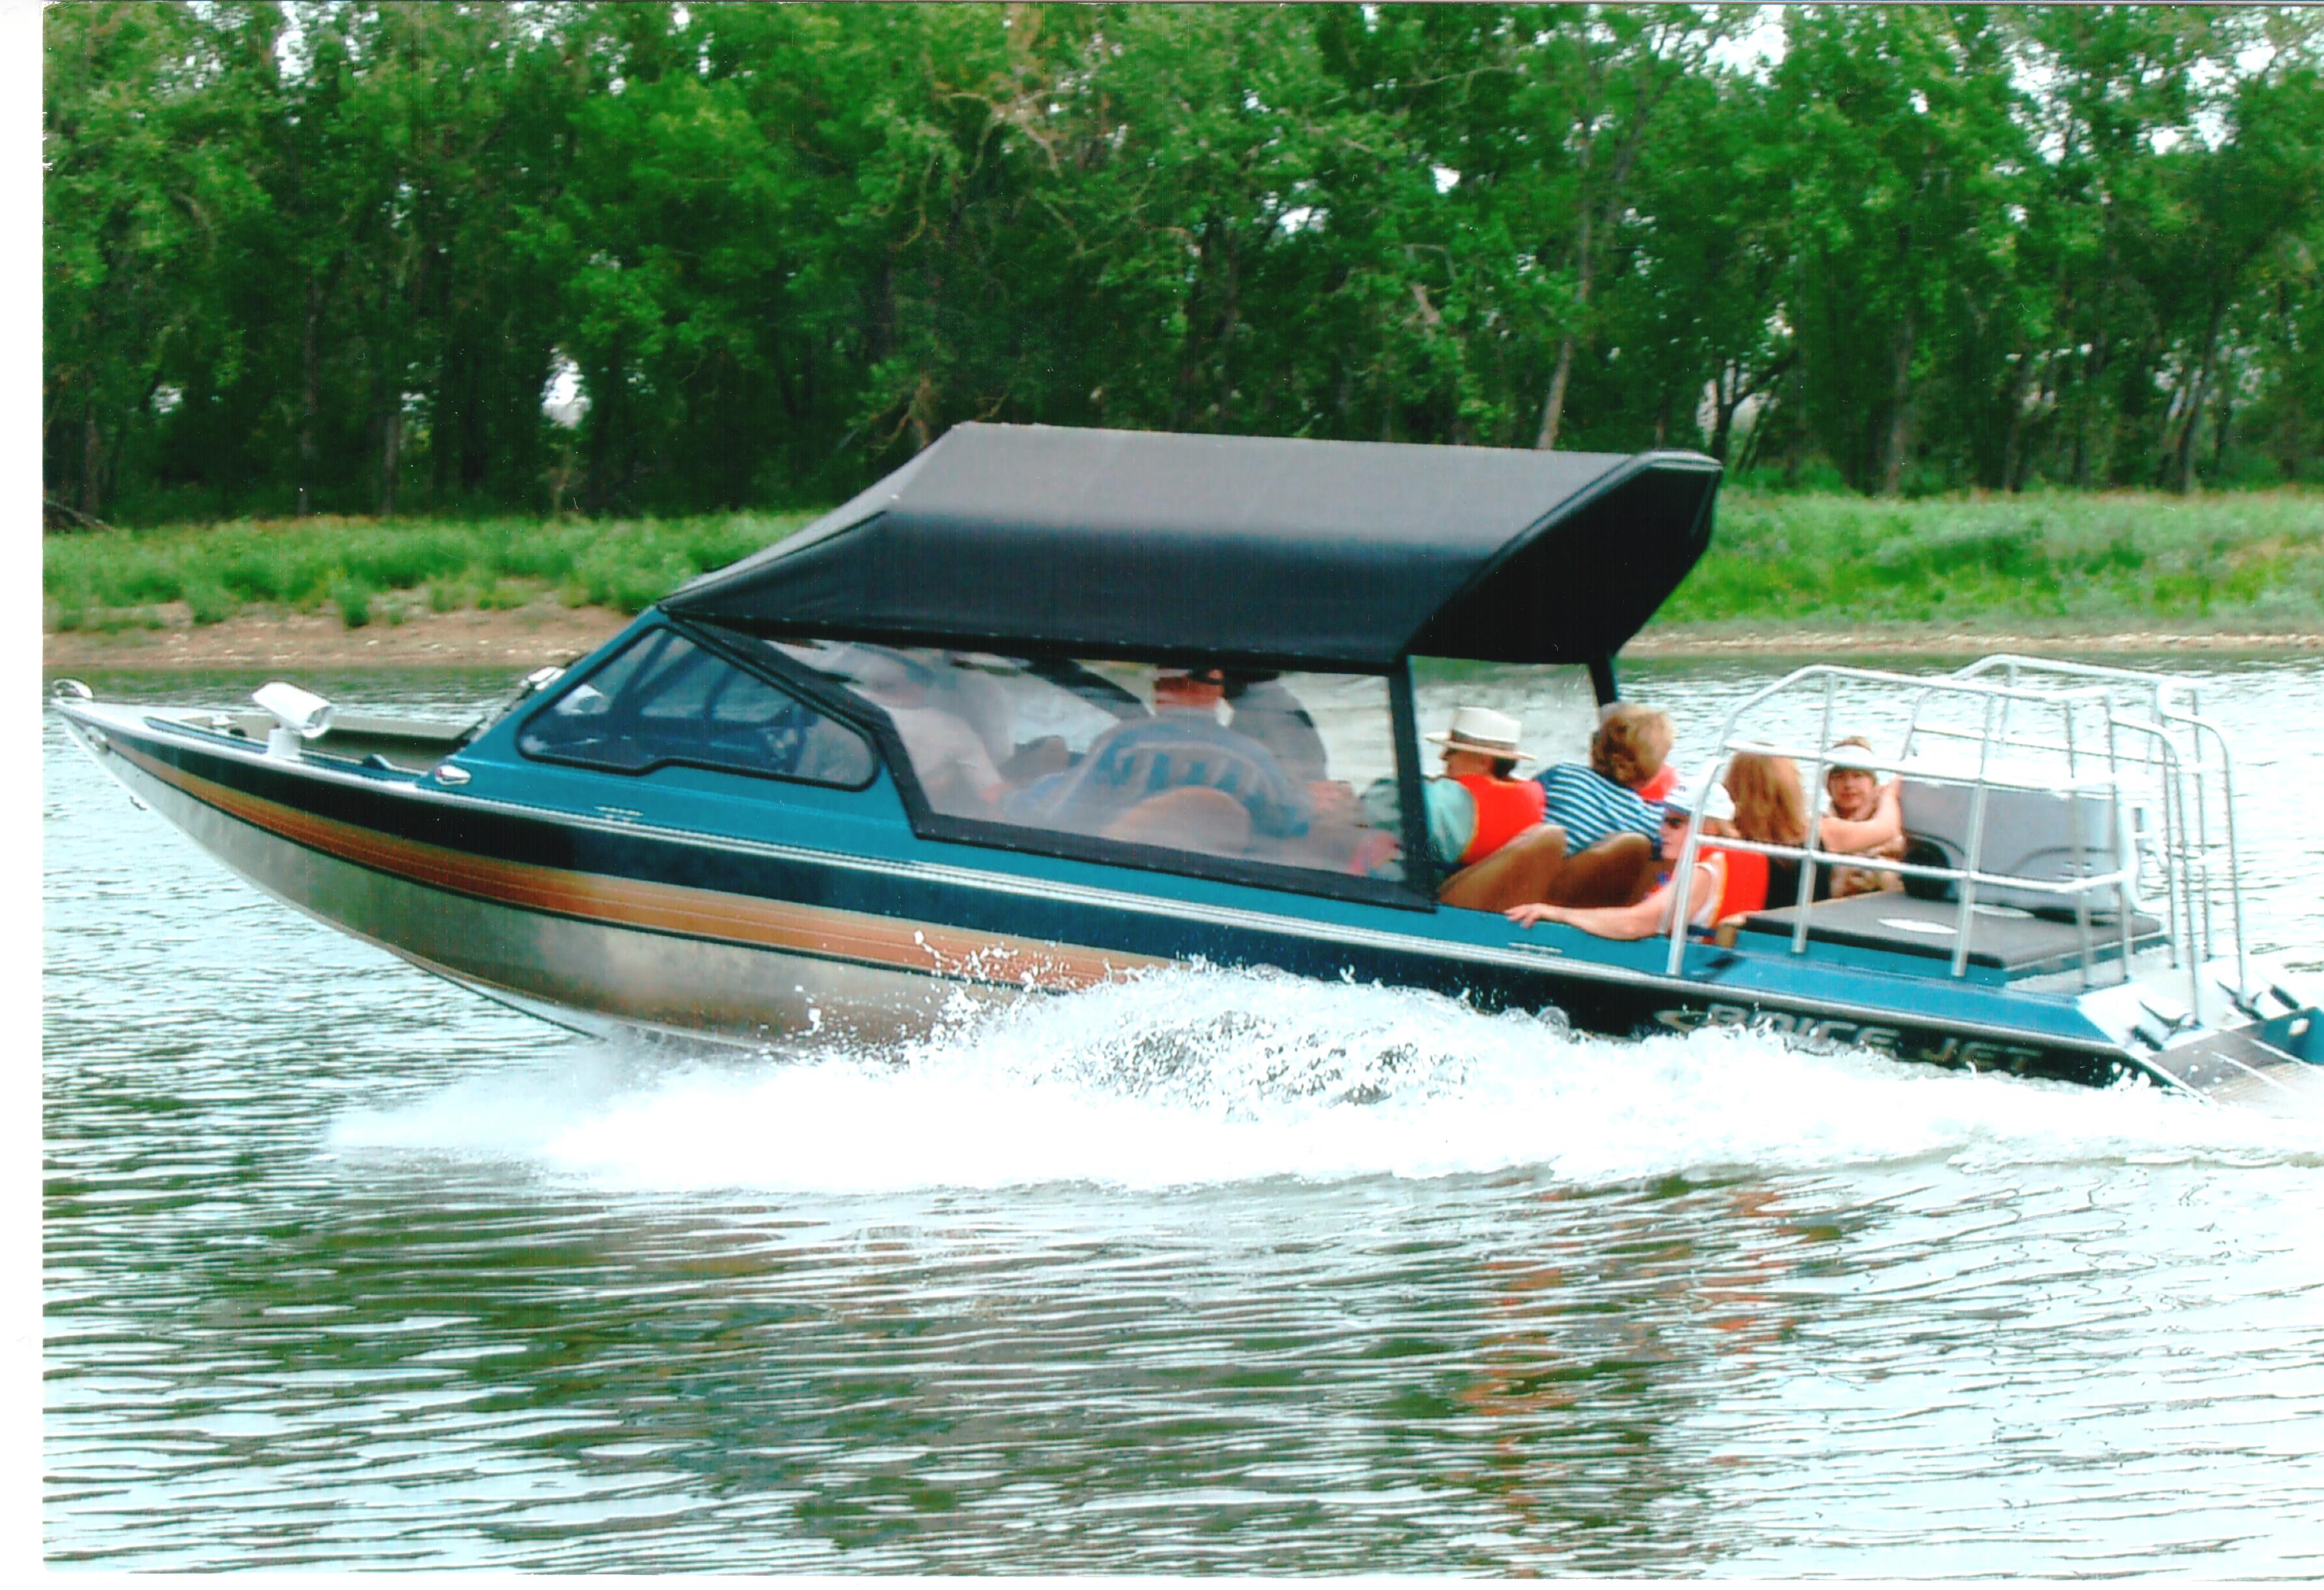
[{"x": 1196, "y": 1076}]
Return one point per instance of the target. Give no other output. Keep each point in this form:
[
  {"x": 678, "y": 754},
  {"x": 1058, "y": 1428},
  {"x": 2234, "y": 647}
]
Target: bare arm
[
  {"x": 1854, "y": 838},
  {"x": 1644, "y": 920}
]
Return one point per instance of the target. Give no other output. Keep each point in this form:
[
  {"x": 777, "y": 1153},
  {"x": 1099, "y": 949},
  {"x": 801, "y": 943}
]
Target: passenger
[
  {"x": 1479, "y": 805},
  {"x": 948, "y": 757},
  {"x": 1263, "y": 708},
  {"x": 1771, "y": 807},
  {"x": 1709, "y": 892},
  {"x": 1182, "y": 746},
  {"x": 1657, "y": 786},
  {"x": 1484, "y": 822},
  {"x": 1743, "y": 886},
  {"x": 970, "y": 693},
  {"x": 1859, "y": 797},
  {"x": 1597, "y": 801}
]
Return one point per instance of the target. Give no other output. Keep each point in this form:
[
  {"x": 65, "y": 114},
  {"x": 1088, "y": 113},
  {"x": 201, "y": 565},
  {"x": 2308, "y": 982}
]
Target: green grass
[
  {"x": 119, "y": 579},
  {"x": 2058, "y": 559},
  {"x": 1809, "y": 561}
]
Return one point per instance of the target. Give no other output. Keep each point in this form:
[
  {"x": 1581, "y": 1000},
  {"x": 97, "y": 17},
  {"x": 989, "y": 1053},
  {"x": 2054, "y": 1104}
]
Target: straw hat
[{"x": 1484, "y": 731}]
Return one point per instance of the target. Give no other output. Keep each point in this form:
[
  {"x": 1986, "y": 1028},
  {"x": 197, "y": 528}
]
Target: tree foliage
[{"x": 332, "y": 256}]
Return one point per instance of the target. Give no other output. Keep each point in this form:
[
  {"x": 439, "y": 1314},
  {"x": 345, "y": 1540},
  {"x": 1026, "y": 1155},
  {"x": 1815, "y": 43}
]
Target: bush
[{"x": 210, "y": 602}]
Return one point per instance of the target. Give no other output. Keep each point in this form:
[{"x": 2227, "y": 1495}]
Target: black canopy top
[{"x": 1332, "y": 554}]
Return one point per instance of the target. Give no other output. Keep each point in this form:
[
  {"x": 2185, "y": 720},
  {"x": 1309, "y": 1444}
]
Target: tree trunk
[
  {"x": 311, "y": 396},
  {"x": 2223, "y": 413},
  {"x": 2013, "y": 440},
  {"x": 2094, "y": 367},
  {"x": 391, "y": 454},
  {"x": 1230, "y": 318},
  {"x": 1900, "y": 411},
  {"x": 2185, "y": 464},
  {"x": 438, "y": 451},
  {"x": 1723, "y": 404},
  {"x": 92, "y": 462},
  {"x": 1755, "y": 440},
  {"x": 1553, "y": 411}
]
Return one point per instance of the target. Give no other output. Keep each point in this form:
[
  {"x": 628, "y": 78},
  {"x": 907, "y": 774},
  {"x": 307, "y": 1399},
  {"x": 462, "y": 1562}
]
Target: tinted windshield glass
[
  {"x": 1293, "y": 769},
  {"x": 662, "y": 699}
]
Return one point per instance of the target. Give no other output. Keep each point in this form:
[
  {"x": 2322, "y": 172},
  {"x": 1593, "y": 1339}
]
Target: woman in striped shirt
[{"x": 1597, "y": 802}]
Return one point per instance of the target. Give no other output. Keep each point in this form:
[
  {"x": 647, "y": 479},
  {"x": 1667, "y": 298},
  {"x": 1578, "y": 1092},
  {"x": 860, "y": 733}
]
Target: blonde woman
[{"x": 1597, "y": 801}]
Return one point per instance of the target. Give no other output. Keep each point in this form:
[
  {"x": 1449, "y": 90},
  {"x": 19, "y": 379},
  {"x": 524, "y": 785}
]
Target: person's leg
[
  {"x": 1519, "y": 873},
  {"x": 1616, "y": 871}
]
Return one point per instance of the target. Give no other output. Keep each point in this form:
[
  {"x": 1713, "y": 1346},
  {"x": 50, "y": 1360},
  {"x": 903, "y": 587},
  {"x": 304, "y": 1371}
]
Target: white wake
[{"x": 1190, "y": 1077}]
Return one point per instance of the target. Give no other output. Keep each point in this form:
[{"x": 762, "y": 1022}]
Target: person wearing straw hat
[
  {"x": 1484, "y": 823},
  {"x": 1479, "y": 805}
]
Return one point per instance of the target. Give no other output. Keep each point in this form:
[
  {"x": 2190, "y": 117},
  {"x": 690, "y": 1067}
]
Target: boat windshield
[
  {"x": 662, "y": 700},
  {"x": 1293, "y": 770}
]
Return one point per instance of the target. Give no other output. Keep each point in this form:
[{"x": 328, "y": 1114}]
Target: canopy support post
[
  {"x": 1412, "y": 809},
  {"x": 1602, "y": 680}
]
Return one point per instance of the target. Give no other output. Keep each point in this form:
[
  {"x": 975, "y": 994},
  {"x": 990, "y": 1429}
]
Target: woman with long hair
[{"x": 1771, "y": 806}]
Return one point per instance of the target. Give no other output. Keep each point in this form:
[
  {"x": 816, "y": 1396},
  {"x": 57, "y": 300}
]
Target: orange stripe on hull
[{"x": 669, "y": 908}]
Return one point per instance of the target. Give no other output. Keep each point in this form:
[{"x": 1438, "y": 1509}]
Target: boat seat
[
  {"x": 1194, "y": 818},
  {"x": 2005, "y": 937},
  {"x": 2028, "y": 834}
]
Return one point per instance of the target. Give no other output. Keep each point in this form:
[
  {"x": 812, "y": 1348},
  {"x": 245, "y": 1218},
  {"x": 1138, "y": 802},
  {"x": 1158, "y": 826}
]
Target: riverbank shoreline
[{"x": 545, "y": 633}]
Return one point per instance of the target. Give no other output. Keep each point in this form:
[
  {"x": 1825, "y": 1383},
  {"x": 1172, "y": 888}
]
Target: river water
[{"x": 1212, "y": 1271}]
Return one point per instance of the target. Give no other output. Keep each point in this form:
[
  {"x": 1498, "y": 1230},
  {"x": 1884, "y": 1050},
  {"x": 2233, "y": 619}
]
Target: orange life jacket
[
  {"x": 1746, "y": 880},
  {"x": 1505, "y": 807}
]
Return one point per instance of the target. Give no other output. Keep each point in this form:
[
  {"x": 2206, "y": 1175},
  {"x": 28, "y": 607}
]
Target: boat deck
[{"x": 2014, "y": 942}]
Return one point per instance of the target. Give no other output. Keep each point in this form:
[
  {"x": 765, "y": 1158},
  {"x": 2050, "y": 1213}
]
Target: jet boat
[{"x": 1047, "y": 706}]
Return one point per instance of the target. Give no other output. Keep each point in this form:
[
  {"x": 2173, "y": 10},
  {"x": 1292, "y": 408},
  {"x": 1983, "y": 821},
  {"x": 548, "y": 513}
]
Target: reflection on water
[{"x": 1213, "y": 1272}]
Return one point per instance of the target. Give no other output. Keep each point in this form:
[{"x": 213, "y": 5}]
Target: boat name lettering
[{"x": 1977, "y": 1054}]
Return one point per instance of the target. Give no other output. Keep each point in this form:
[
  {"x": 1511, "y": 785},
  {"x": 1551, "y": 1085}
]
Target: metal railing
[{"x": 2133, "y": 742}]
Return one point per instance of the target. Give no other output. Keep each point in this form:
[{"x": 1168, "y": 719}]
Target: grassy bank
[
  {"x": 2057, "y": 561},
  {"x": 2054, "y": 560},
  {"x": 368, "y": 571}
]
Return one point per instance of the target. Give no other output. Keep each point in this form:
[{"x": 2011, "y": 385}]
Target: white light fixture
[{"x": 299, "y": 715}]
